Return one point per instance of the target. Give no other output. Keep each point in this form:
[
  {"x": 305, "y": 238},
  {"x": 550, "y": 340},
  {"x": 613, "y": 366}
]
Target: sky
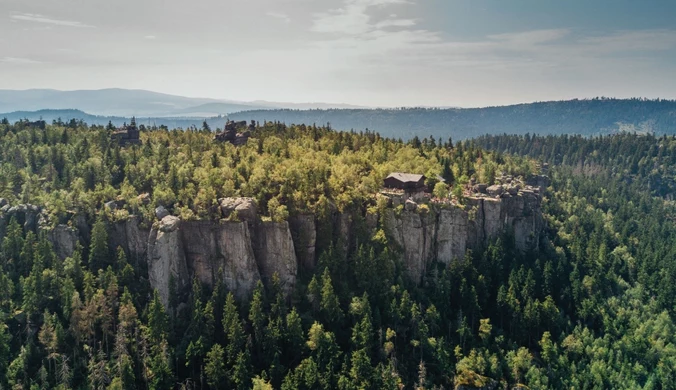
[{"x": 388, "y": 53}]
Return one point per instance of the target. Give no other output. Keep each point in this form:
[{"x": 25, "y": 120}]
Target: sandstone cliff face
[
  {"x": 166, "y": 259},
  {"x": 275, "y": 253},
  {"x": 131, "y": 237},
  {"x": 414, "y": 232},
  {"x": 252, "y": 250},
  {"x": 452, "y": 232},
  {"x": 64, "y": 239},
  {"x": 304, "y": 233},
  {"x": 445, "y": 232},
  {"x": 225, "y": 247}
]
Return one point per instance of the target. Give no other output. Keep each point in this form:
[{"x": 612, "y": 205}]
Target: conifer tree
[{"x": 99, "y": 252}]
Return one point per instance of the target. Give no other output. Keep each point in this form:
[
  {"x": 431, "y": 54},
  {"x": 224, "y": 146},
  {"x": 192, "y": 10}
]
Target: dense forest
[
  {"x": 585, "y": 117},
  {"x": 592, "y": 309}
]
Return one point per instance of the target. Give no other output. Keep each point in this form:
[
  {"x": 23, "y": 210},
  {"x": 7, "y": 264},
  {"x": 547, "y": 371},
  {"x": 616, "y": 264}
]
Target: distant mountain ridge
[
  {"x": 584, "y": 117},
  {"x": 133, "y": 102}
]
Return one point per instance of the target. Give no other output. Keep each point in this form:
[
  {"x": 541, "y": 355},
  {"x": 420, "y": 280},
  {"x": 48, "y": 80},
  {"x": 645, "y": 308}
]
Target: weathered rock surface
[
  {"x": 64, "y": 239},
  {"x": 275, "y": 253},
  {"x": 414, "y": 233},
  {"x": 161, "y": 212},
  {"x": 243, "y": 251},
  {"x": 245, "y": 208},
  {"x": 223, "y": 250},
  {"x": 304, "y": 233},
  {"x": 446, "y": 232},
  {"x": 495, "y": 190},
  {"x": 451, "y": 235},
  {"x": 131, "y": 237},
  {"x": 24, "y": 214},
  {"x": 166, "y": 259}
]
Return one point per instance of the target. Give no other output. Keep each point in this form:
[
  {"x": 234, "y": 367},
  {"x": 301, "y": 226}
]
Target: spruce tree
[{"x": 99, "y": 252}]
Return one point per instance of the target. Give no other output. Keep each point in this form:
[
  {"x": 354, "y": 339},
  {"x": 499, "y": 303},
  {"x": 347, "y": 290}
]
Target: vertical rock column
[{"x": 166, "y": 259}]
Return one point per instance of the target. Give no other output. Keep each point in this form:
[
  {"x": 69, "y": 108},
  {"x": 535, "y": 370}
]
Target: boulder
[
  {"x": 245, "y": 208},
  {"x": 111, "y": 206},
  {"x": 495, "y": 190},
  {"x": 161, "y": 212},
  {"x": 169, "y": 224},
  {"x": 480, "y": 188},
  {"x": 3, "y": 202}
]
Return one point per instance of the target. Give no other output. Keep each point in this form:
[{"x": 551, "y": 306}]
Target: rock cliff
[
  {"x": 241, "y": 249},
  {"x": 166, "y": 258},
  {"x": 275, "y": 253},
  {"x": 221, "y": 250},
  {"x": 444, "y": 232}
]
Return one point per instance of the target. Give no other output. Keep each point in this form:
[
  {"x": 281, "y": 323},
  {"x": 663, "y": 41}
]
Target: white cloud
[
  {"x": 37, "y": 18},
  {"x": 279, "y": 15},
  {"x": 353, "y": 18},
  {"x": 19, "y": 61},
  {"x": 528, "y": 38},
  {"x": 150, "y": 37},
  {"x": 395, "y": 23}
]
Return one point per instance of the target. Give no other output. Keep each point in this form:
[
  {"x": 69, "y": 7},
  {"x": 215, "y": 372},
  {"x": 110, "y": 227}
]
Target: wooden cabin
[{"x": 405, "y": 181}]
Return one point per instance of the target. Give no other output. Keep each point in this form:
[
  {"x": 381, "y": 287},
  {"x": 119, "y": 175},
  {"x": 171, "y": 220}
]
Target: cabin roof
[{"x": 405, "y": 177}]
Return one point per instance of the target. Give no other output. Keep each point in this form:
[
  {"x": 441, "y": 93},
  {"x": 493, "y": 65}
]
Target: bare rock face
[
  {"x": 223, "y": 250},
  {"x": 275, "y": 253},
  {"x": 451, "y": 235},
  {"x": 304, "y": 233},
  {"x": 131, "y": 237},
  {"x": 64, "y": 239},
  {"x": 415, "y": 234},
  {"x": 236, "y": 258},
  {"x": 445, "y": 233},
  {"x": 495, "y": 190},
  {"x": 166, "y": 259},
  {"x": 244, "y": 207},
  {"x": 493, "y": 223}
]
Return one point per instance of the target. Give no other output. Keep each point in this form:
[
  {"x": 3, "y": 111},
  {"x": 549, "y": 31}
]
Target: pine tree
[
  {"x": 99, "y": 252},
  {"x": 215, "y": 367},
  {"x": 329, "y": 306}
]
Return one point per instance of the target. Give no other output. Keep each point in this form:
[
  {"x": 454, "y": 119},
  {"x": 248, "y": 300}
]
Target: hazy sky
[{"x": 369, "y": 52}]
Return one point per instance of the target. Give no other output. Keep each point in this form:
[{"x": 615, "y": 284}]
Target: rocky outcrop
[
  {"x": 414, "y": 232},
  {"x": 452, "y": 231},
  {"x": 166, "y": 258},
  {"x": 444, "y": 232},
  {"x": 25, "y": 215},
  {"x": 304, "y": 233},
  {"x": 132, "y": 237},
  {"x": 221, "y": 250},
  {"x": 275, "y": 253},
  {"x": 242, "y": 250},
  {"x": 64, "y": 240},
  {"x": 244, "y": 209}
]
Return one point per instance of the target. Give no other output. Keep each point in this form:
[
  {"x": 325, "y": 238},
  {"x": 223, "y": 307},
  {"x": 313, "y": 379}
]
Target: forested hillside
[
  {"x": 585, "y": 117},
  {"x": 593, "y": 308}
]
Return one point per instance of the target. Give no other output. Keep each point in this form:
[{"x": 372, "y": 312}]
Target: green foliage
[{"x": 593, "y": 308}]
